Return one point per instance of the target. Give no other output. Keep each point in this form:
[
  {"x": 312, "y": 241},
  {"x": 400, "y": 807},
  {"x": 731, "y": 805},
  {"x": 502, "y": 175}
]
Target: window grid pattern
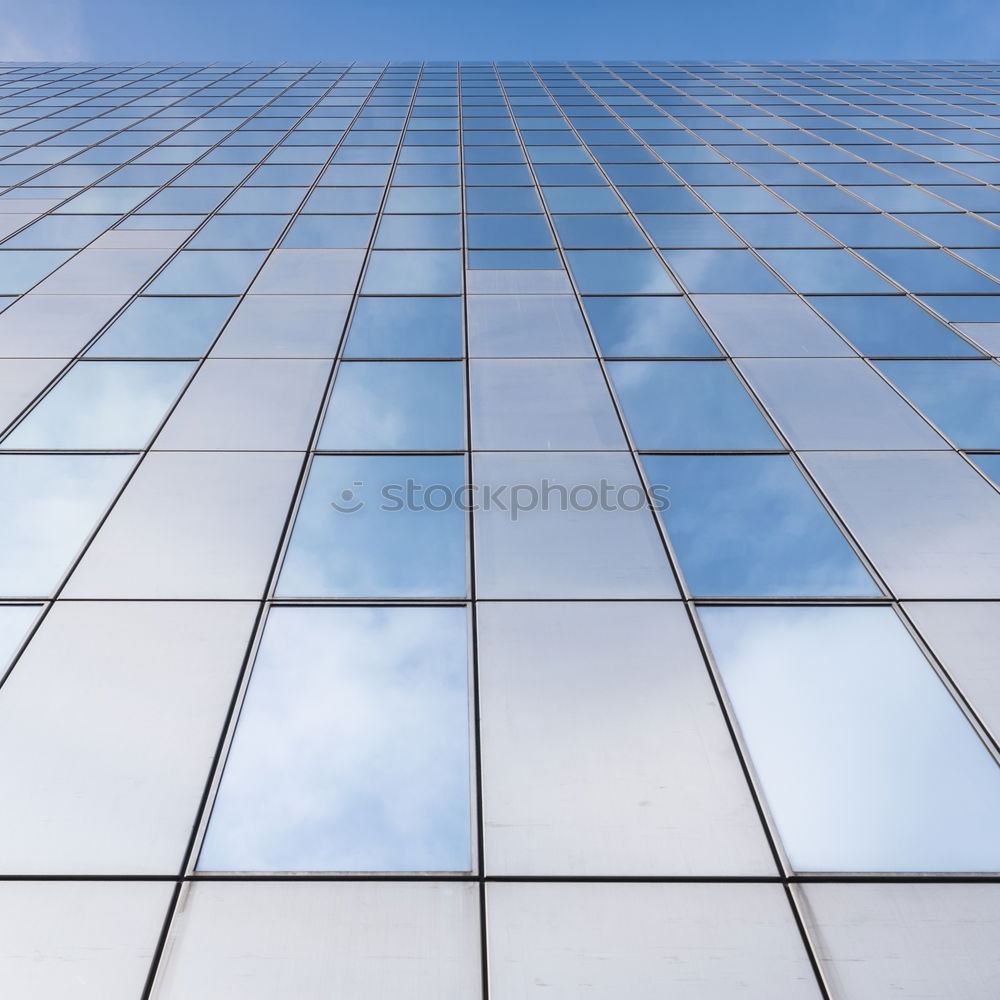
[{"x": 246, "y": 309}]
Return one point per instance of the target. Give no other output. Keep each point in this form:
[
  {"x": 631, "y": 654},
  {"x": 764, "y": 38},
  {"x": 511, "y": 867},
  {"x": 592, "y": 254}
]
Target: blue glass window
[
  {"x": 750, "y": 526},
  {"x": 688, "y": 405},
  {"x": 379, "y": 526}
]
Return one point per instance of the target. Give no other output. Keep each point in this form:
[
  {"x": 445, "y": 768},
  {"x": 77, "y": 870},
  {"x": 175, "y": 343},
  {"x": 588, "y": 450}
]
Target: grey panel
[
  {"x": 15, "y": 620},
  {"x": 247, "y": 404},
  {"x": 527, "y": 405},
  {"x": 108, "y": 726},
  {"x": 915, "y": 942},
  {"x": 837, "y": 404},
  {"x": 604, "y": 749},
  {"x": 327, "y": 272},
  {"x": 104, "y": 272},
  {"x": 510, "y": 326},
  {"x": 284, "y": 326},
  {"x": 21, "y": 380},
  {"x": 514, "y": 282},
  {"x": 86, "y": 940},
  {"x": 192, "y": 524},
  {"x": 140, "y": 239},
  {"x": 54, "y": 326},
  {"x": 554, "y": 538},
  {"x": 315, "y": 940},
  {"x": 644, "y": 942},
  {"x": 929, "y": 522},
  {"x": 769, "y": 326},
  {"x": 966, "y": 638}
]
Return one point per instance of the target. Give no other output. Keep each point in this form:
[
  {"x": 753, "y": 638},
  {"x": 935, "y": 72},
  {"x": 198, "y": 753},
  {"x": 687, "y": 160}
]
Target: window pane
[
  {"x": 414, "y": 272},
  {"x": 103, "y": 405},
  {"x": 329, "y": 231},
  {"x": 49, "y": 504},
  {"x": 352, "y": 748},
  {"x": 627, "y": 326},
  {"x": 396, "y": 406},
  {"x": 635, "y": 272},
  {"x": 688, "y": 405},
  {"x": 164, "y": 328},
  {"x": 890, "y": 326},
  {"x": 929, "y": 522},
  {"x": 208, "y": 272},
  {"x": 912, "y": 790},
  {"x": 379, "y": 526},
  {"x": 825, "y": 271},
  {"x": 499, "y": 231},
  {"x": 961, "y": 397},
  {"x": 428, "y": 231},
  {"x": 749, "y": 526},
  {"x": 722, "y": 271},
  {"x": 404, "y": 327}
]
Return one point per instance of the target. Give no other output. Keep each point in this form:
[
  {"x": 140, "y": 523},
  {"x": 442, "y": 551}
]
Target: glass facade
[{"x": 500, "y": 530}]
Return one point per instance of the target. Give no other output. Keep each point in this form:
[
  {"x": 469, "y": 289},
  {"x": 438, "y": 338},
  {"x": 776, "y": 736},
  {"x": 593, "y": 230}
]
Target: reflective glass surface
[
  {"x": 352, "y": 748},
  {"x": 378, "y": 526},
  {"x": 750, "y": 526},
  {"x": 722, "y": 271},
  {"x": 161, "y": 327},
  {"x": 890, "y": 326},
  {"x": 304, "y": 365},
  {"x": 913, "y": 789},
  {"x": 413, "y": 272},
  {"x": 401, "y": 327},
  {"x": 688, "y": 405},
  {"x": 961, "y": 397},
  {"x": 633, "y": 272},
  {"x": 395, "y": 406},
  {"x": 642, "y": 326},
  {"x": 208, "y": 272},
  {"x": 49, "y": 505},
  {"x": 112, "y": 405}
]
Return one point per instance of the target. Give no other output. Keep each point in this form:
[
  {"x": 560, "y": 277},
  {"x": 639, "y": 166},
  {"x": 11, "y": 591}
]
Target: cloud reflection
[
  {"x": 866, "y": 762},
  {"x": 352, "y": 749}
]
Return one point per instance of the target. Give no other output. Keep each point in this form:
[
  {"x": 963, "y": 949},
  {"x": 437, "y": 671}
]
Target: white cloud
[{"x": 42, "y": 31}]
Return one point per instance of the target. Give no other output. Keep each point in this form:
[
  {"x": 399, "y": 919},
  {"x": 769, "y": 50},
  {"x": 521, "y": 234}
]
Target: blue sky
[{"x": 310, "y": 30}]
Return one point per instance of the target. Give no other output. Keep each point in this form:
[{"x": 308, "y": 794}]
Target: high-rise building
[{"x": 500, "y": 531}]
